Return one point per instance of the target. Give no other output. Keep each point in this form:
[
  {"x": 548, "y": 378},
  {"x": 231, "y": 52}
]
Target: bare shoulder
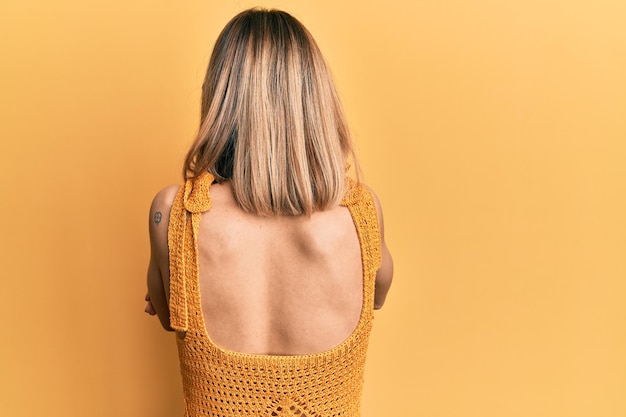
[{"x": 163, "y": 199}]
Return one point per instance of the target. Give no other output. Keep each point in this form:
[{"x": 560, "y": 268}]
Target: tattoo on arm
[{"x": 157, "y": 217}]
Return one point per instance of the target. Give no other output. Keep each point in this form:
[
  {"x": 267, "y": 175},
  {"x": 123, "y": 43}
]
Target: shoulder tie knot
[{"x": 196, "y": 198}]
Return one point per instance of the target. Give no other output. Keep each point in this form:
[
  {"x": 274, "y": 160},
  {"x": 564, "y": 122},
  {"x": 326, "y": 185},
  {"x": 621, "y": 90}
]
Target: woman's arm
[
  {"x": 384, "y": 276},
  {"x": 158, "y": 268}
]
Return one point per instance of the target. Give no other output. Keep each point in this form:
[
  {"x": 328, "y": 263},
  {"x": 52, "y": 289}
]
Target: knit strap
[{"x": 190, "y": 202}]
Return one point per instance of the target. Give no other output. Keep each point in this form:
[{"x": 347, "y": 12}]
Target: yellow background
[{"x": 493, "y": 131}]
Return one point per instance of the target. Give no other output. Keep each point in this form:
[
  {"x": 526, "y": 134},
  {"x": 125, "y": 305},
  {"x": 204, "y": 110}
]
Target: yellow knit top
[{"x": 222, "y": 383}]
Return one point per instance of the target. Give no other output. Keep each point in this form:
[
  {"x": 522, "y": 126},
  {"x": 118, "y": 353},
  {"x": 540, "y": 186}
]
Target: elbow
[{"x": 165, "y": 323}]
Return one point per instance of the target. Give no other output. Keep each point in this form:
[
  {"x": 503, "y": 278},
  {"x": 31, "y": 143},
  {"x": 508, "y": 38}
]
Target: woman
[{"x": 269, "y": 261}]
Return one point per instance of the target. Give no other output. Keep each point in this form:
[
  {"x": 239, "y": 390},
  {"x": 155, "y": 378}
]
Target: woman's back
[
  {"x": 273, "y": 259},
  {"x": 280, "y": 284},
  {"x": 287, "y": 301}
]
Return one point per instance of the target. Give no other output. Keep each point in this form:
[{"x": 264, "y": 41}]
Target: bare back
[{"x": 278, "y": 285}]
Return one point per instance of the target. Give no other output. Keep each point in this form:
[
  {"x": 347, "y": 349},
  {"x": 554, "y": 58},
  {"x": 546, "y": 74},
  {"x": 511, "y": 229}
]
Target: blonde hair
[{"x": 272, "y": 122}]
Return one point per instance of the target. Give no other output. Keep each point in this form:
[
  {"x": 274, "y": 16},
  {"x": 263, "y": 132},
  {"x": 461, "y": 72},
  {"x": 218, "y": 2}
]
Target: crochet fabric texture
[{"x": 222, "y": 383}]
